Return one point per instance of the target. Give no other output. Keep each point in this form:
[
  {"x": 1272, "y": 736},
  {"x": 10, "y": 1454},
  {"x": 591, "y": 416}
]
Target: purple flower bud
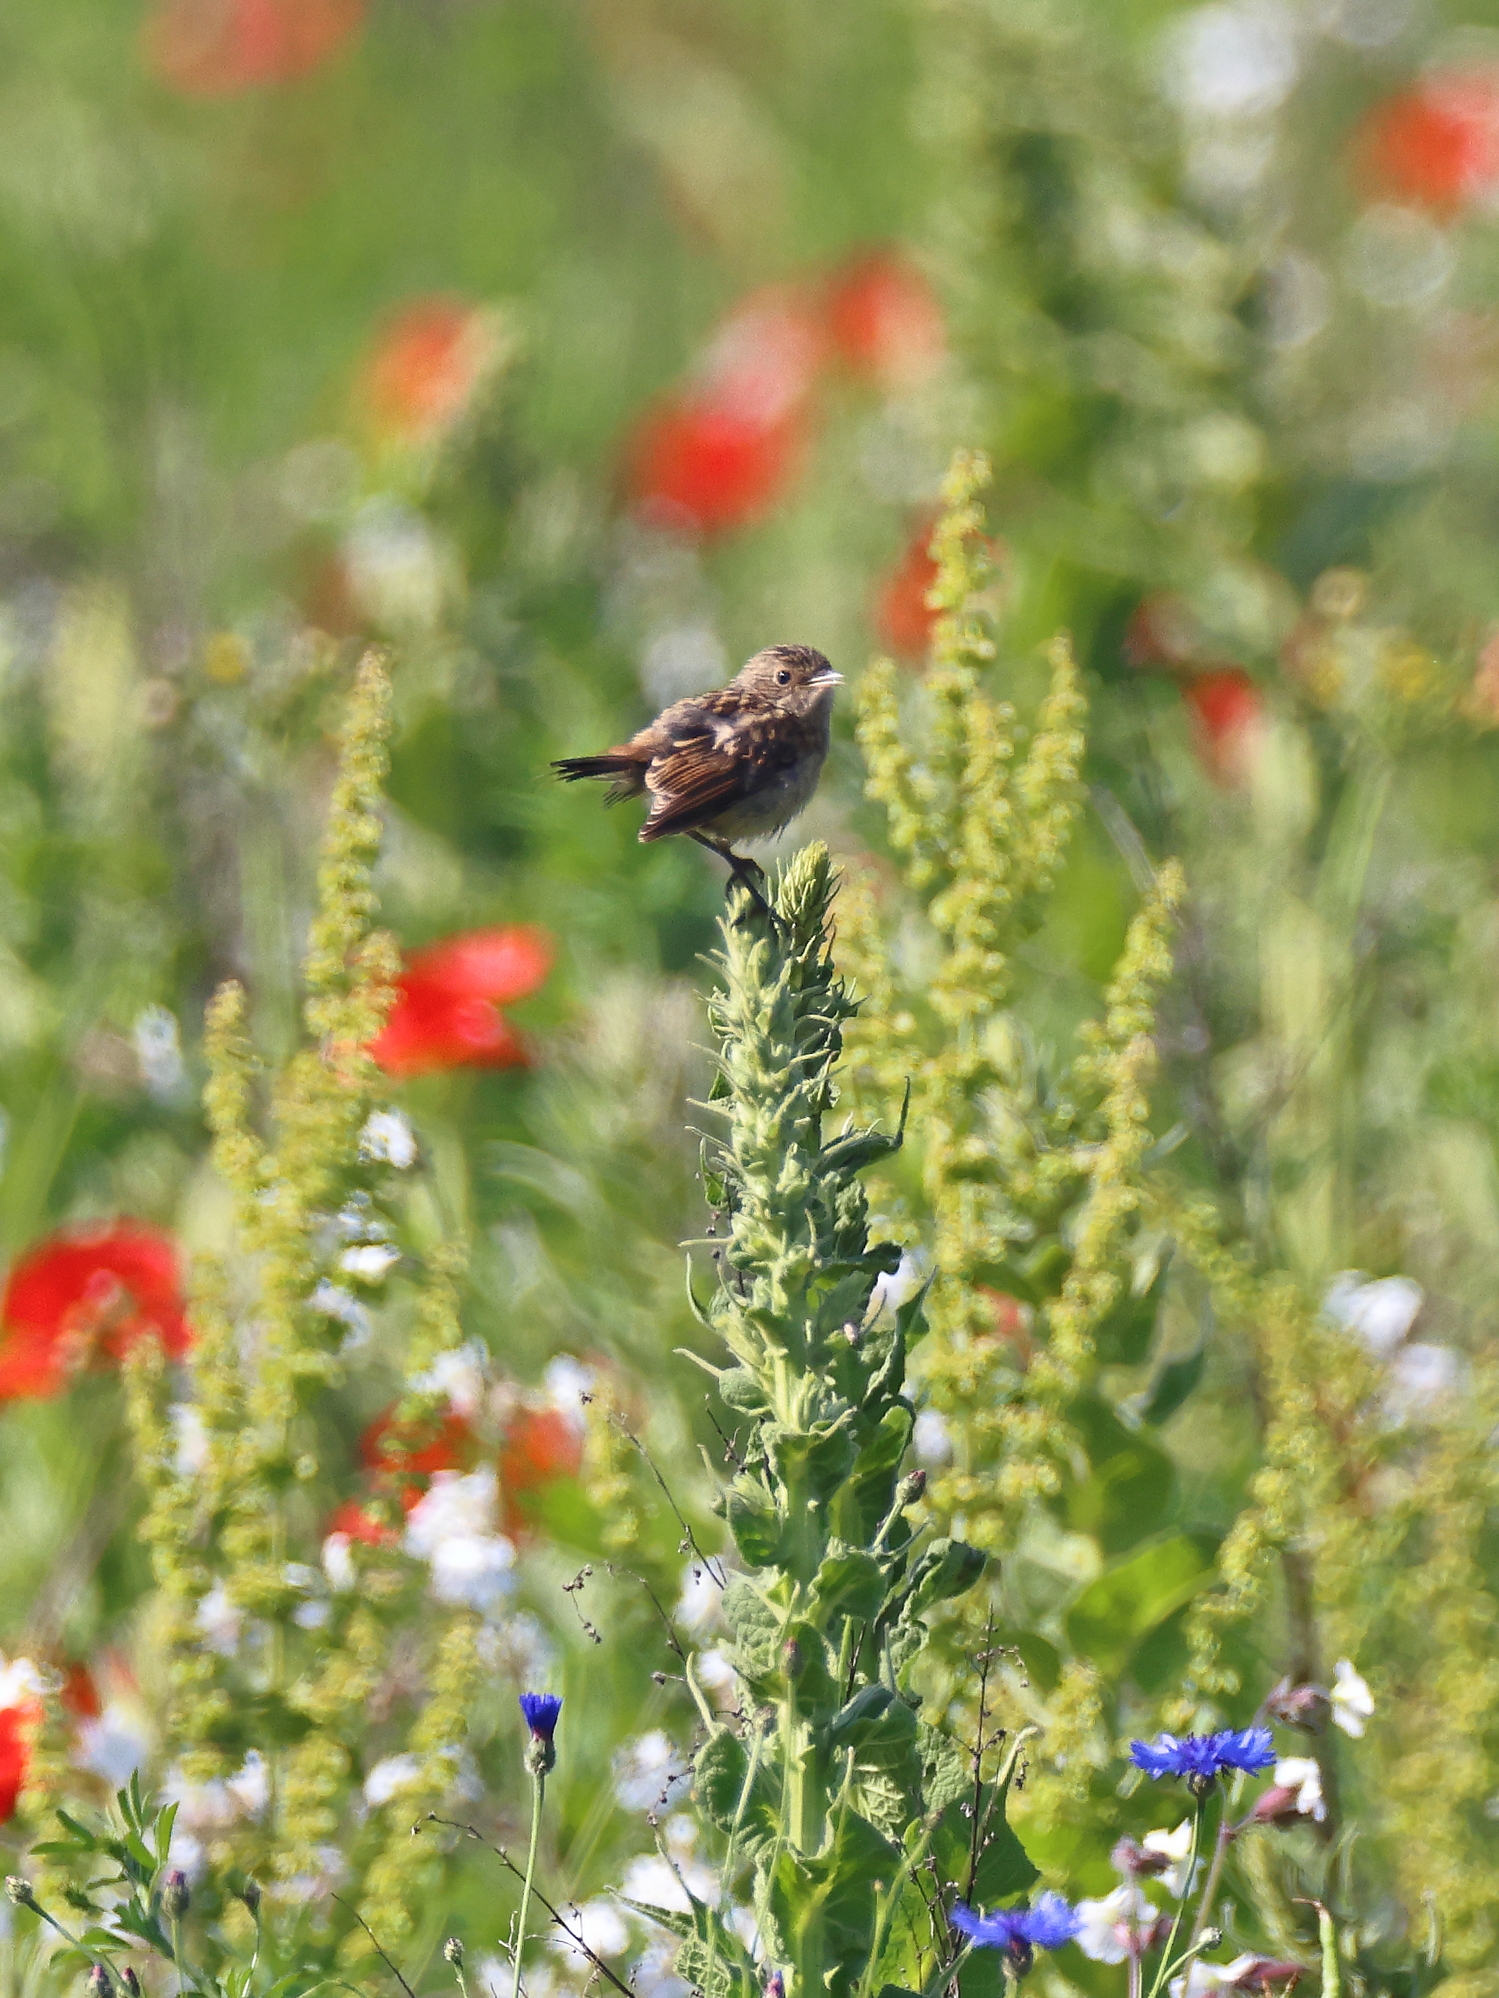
[
  {"x": 98, "y": 1983},
  {"x": 541, "y": 1711},
  {"x": 176, "y": 1896}
]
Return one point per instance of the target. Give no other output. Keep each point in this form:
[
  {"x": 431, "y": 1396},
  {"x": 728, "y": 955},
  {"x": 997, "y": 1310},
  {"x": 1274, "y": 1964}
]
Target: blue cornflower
[
  {"x": 1017, "y": 1931},
  {"x": 541, "y": 1711},
  {"x": 1202, "y": 1757}
]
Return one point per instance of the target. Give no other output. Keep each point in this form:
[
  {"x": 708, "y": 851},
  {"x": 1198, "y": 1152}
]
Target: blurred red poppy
[
  {"x": 885, "y": 320},
  {"x": 902, "y": 615},
  {"x": 540, "y": 1446},
  {"x": 1227, "y": 710},
  {"x": 15, "y": 1724},
  {"x": 79, "y": 1691},
  {"x": 1438, "y": 144},
  {"x": 443, "y": 1443},
  {"x": 725, "y": 448},
  {"x": 215, "y": 48},
  {"x": 355, "y": 1521},
  {"x": 444, "y": 1013},
  {"x": 426, "y": 367},
  {"x": 84, "y": 1298}
]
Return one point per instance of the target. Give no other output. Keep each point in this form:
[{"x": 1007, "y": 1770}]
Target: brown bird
[{"x": 738, "y": 763}]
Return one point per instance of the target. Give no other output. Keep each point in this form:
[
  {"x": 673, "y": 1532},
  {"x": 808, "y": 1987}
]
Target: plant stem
[
  {"x": 1215, "y": 1873},
  {"x": 1167, "y": 1952},
  {"x": 538, "y": 1791}
]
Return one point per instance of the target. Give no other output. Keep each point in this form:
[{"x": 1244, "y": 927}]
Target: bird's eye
[{"x": 783, "y": 678}]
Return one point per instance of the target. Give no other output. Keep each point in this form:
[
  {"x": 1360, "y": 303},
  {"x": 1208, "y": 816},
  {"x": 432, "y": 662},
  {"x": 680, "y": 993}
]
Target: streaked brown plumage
[{"x": 738, "y": 763}]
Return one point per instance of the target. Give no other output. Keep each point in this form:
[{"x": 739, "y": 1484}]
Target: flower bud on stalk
[
  {"x": 541, "y": 1711},
  {"x": 98, "y": 1983},
  {"x": 176, "y": 1896},
  {"x": 18, "y": 1891},
  {"x": 452, "y": 1952},
  {"x": 131, "y": 1982},
  {"x": 1304, "y": 1707}
]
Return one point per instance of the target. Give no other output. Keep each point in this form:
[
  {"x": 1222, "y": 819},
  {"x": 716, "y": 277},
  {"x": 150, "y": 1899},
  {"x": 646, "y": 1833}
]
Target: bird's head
[{"x": 795, "y": 679}]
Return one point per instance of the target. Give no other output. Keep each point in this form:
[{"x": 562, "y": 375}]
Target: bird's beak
[{"x": 828, "y": 679}]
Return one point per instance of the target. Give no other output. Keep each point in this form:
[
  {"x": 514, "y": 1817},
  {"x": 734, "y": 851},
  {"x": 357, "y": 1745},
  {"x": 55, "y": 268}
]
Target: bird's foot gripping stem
[{"x": 748, "y": 873}]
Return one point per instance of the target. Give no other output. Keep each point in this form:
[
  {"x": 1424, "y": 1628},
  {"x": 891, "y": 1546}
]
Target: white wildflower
[
  {"x": 113, "y": 1744},
  {"x": 389, "y": 1778},
  {"x": 568, "y": 1382},
  {"x": 1177, "y": 1847},
  {"x": 454, "y": 1503},
  {"x": 341, "y": 1305},
  {"x": 475, "y": 1569},
  {"x": 931, "y": 1439},
  {"x": 459, "y": 1375},
  {"x": 388, "y": 1138},
  {"x": 1379, "y": 1313},
  {"x": 1108, "y": 1924},
  {"x": 1352, "y": 1702},
  {"x": 338, "y": 1563},
  {"x": 1421, "y": 1377},
  {"x": 371, "y": 1262},
  {"x": 1303, "y": 1774},
  {"x": 20, "y": 1682},
  {"x": 191, "y": 1452},
  {"x": 898, "y": 1288},
  {"x": 221, "y": 1621}
]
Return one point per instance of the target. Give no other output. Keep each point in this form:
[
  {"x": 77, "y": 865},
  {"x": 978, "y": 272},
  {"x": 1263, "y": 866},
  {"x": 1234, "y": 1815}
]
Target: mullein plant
[
  {"x": 1030, "y": 1174},
  {"x": 852, "y": 1821},
  {"x": 270, "y": 1659}
]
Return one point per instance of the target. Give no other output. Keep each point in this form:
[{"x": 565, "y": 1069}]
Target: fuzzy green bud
[
  {"x": 98, "y": 1983},
  {"x": 176, "y": 1895}
]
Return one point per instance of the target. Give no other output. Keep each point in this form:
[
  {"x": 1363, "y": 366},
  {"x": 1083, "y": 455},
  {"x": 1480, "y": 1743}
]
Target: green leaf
[
  {"x": 755, "y": 1526},
  {"x": 946, "y": 1768},
  {"x": 1172, "y": 1385},
  {"x": 865, "y": 1499},
  {"x": 948, "y": 1568},
  {"x": 850, "y": 1582},
  {"x": 825, "y": 1907},
  {"x": 756, "y": 1627},
  {"x": 1113, "y": 1613},
  {"x": 1132, "y": 1490}
]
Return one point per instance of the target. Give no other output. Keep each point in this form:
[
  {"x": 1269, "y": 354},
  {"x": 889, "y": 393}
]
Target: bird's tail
[
  {"x": 569, "y": 768},
  {"x": 625, "y": 770}
]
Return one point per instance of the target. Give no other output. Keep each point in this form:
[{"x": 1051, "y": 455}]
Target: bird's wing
[{"x": 703, "y": 766}]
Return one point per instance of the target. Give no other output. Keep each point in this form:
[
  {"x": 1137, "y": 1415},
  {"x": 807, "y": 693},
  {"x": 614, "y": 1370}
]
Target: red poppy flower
[
  {"x": 540, "y": 1446},
  {"x": 355, "y": 1521},
  {"x": 15, "y": 1723},
  {"x": 85, "y": 1297},
  {"x": 216, "y": 48},
  {"x": 902, "y": 615},
  {"x": 393, "y": 1449},
  {"x": 885, "y": 320},
  {"x": 724, "y": 450},
  {"x": 426, "y": 367},
  {"x": 79, "y": 1692},
  {"x": 1227, "y": 712},
  {"x": 444, "y": 1013},
  {"x": 1437, "y": 144}
]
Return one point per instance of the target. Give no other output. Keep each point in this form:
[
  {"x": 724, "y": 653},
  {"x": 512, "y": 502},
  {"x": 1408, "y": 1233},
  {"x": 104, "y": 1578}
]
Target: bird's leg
[{"x": 741, "y": 868}]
